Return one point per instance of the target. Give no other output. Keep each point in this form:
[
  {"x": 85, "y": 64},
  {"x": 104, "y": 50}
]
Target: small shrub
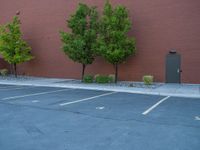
[
  {"x": 4, "y": 72},
  {"x": 88, "y": 79},
  {"x": 112, "y": 78},
  {"x": 148, "y": 79},
  {"x": 96, "y": 76},
  {"x": 102, "y": 79},
  {"x": 131, "y": 85}
]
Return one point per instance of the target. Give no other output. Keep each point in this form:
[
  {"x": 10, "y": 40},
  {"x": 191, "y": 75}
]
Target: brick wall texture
[{"x": 158, "y": 26}]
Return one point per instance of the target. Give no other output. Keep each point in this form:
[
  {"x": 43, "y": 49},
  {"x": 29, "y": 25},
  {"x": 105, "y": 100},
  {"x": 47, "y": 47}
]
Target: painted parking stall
[
  {"x": 178, "y": 111},
  {"x": 155, "y": 105},
  {"x": 116, "y": 106},
  {"x": 55, "y": 99},
  {"x": 99, "y": 103},
  {"x": 25, "y": 91},
  {"x": 62, "y": 117}
]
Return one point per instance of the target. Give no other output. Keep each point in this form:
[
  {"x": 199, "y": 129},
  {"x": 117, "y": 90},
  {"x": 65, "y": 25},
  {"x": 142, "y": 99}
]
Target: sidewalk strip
[
  {"x": 35, "y": 94},
  {"x": 155, "y": 105},
  {"x": 86, "y": 99}
]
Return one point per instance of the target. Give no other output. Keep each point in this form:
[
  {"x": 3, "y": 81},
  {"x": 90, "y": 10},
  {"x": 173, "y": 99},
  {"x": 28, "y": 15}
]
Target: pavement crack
[{"x": 32, "y": 130}]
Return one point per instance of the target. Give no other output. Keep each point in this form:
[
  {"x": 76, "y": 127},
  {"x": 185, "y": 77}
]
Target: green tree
[
  {"x": 113, "y": 43},
  {"x": 77, "y": 45},
  {"x": 12, "y": 47}
]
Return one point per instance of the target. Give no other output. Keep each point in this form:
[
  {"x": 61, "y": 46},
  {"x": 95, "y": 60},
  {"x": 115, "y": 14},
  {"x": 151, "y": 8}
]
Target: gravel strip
[
  {"x": 75, "y": 82},
  {"x": 19, "y": 78},
  {"x": 119, "y": 84}
]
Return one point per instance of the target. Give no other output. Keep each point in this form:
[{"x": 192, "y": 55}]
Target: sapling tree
[
  {"x": 12, "y": 47},
  {"x": 78, "y": 44},
  {"x": 113, "y": 43}
]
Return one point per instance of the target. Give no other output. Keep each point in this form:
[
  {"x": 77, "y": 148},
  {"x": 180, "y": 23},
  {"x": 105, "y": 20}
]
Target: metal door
[{"x": 173, "y": 68}]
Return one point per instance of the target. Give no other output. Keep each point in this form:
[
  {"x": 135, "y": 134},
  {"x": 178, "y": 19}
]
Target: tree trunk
[
  {"x": 116, "y": 73},
  {"x": 15, "y": 70},
  {"x": 11, "y": 68},
  {"x": 83, "y": 71}
]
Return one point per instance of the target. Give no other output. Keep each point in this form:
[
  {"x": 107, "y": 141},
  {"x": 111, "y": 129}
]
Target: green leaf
[
  {"x": 12, "y": 47},
  {"x": 113, "y": 43},
  {"x": 78, "y": 45}
]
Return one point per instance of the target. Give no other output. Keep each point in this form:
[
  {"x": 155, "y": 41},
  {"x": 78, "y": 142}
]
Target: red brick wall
[
  {"x": 158, "y": 25},
  {"x": 2, "y": 64}
]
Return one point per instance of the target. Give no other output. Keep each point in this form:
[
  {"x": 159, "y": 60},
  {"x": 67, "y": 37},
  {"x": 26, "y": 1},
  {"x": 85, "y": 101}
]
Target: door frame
[{"x": 172, "y": 53}]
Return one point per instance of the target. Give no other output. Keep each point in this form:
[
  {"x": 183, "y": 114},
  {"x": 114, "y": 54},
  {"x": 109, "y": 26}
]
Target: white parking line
[
  {"x": 86, "y": 99},
  {"x": 197, "y": 118},
  {"x": 35, "y": 101},
  {"x": 6, "y": 87},
  {"x": 17, "y": 88},
  {"x": 155, "y": 105},
  {"x": 100, "y": 108},
  {"x": 35, "y": 94}
]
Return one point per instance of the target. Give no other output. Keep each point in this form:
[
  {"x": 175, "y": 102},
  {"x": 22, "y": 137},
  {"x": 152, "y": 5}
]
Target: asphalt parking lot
[{"x": 49, "y": 118}]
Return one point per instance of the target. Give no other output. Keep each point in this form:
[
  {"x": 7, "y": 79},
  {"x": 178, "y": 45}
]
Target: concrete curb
[{"x": 106, "y": 88}]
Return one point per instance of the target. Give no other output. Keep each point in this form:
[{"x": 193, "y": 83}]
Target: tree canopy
[
  {"x": 12, "y": 47},
  {"x": 113, "y": 42},
  {"x": 78, "y": 44}
]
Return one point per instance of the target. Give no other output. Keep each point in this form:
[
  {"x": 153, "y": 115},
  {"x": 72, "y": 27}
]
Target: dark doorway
[{"x": 173, "y": 67}]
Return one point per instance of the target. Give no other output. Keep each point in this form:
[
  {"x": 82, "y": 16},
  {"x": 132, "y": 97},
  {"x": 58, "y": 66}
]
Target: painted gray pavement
[{"x": 32, "y": 118}]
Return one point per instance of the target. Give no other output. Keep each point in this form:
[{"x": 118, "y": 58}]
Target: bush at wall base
[
  {"x": 4, "y": 72},
  {"x": 88, "y": 79},
  {"x": 148, "y": 79},
  {"x": 104, "y": 79},
  {"x": 112, "y": 78}
]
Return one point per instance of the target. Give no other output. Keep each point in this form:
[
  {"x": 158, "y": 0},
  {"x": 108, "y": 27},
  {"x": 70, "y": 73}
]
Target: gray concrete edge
[{"x": 104, "y": 88}]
